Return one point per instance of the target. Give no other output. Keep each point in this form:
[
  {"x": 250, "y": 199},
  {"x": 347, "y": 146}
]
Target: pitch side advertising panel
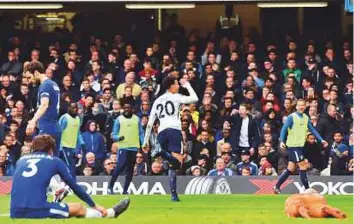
[{"x": 333, "y": 185}]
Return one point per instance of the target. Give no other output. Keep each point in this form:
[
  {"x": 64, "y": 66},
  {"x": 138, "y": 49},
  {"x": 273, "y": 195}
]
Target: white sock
[
  {"x": 54, "y": 184},
  {"x": 93, "y": 213},
  {"x": 67, "y": 187},
  {"x": 110, "y": 213}
]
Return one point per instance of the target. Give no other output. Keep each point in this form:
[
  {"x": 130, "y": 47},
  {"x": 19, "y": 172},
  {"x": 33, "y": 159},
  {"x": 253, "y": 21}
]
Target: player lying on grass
[
  {"x": 31, "y": 180},
  {"x": 311, "y": 204}
]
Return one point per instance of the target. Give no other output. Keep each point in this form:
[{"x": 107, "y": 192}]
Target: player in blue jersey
[
  {"x": 48, "y": 102},
  {"x": 30, "y": 182},
  {"x": 46, "y": 116}
]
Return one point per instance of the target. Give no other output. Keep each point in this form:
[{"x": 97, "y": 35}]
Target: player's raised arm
[
  {"x": 65, "y": 175},
  {"x": 192, "y": 98}
]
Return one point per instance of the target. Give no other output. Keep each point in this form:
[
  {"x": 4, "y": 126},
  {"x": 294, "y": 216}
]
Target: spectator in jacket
[
  {"x": 14, "y": 149},
  {"x": 245, "y": 161},
  {"x": 90, "y": 161},
  {"x": 327, "y": 125},
  {"x": 129, "y": 81},
  {"x": 340, "y": 160},
  {"x": 108, "y": 166},
  {"x": 245, "y": 132},
  {"x": 5, "y": 165},
  {"x": 220, "y": 169},
  {"x": 141, "y": 167},
  {"x": 12, "y": 66},
  {"x": 226, "y": 156},
  {"x": 94, "y": 141}
]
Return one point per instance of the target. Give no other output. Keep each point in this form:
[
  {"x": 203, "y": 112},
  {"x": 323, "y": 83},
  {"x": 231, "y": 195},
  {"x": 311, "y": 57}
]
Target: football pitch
[{"x": 196, "y": 209}]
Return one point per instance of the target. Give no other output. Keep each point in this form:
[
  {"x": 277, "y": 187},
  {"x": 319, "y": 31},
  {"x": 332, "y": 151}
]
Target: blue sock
[
  {"x": 172, "y": 160},
  {"x": 303, "y": 177},
  {"x": 282, "y": 178},
  {"x": 173, "y": 180}
]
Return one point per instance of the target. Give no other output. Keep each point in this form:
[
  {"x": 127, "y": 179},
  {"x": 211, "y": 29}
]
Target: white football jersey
[{"x": 167, "y": 107}]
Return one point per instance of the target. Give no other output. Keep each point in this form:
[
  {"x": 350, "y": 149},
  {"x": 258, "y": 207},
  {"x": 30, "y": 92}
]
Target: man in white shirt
[{"x": 167, "y": 109}]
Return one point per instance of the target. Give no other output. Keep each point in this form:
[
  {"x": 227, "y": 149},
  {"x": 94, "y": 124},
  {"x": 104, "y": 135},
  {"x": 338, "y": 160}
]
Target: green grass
[{"x": 198, "y": 209}]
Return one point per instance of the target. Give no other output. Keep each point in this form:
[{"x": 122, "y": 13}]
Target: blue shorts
[
  {"x": 170, "y": 140},
  {"x": 295, "y": 154},
  {"x": 50, "y": 210},
  {"x": 53, "y": 130}
]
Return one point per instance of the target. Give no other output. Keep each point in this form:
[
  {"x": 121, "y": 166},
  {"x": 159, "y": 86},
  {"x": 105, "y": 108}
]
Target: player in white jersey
[{"x": 167, "y": 109}]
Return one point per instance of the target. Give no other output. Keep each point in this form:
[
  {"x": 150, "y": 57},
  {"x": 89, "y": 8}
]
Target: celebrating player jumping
[{"x": 167, "y": 109}]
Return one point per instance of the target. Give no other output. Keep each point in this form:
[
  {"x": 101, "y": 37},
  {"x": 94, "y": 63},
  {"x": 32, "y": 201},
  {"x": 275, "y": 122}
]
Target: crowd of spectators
[{"x": 246, "y": 91}]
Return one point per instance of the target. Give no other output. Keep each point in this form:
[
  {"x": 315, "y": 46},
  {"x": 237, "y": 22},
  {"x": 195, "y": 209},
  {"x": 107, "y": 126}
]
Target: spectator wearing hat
[
  {"x": 195, "y": 170},
  {"x": 220, "y": 169},
  {"x": 245, "y": 161},
  {"x": 266, "y": 169}
]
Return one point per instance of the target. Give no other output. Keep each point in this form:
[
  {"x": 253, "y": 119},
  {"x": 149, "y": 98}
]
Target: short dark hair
[
  {"x": 337, "y": 132},
  {"x": 14, "y": 122},
  {"x": 43, "y": 143},
  {"x": 123, "y": 101},
  {"x": 168, "y": 82},
  {"x": 34, "y": 66}
]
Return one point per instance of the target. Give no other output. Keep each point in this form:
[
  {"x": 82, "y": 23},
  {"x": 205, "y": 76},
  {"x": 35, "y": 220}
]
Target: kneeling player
[
  {"x": 311, "y": 204},
  {"x": 31, "y": 180}
]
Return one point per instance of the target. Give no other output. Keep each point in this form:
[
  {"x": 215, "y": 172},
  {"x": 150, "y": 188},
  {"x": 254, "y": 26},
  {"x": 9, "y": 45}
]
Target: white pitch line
[{"x": 4, "y": 215}]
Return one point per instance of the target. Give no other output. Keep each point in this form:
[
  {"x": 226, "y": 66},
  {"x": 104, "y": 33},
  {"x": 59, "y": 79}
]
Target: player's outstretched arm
[
  {"x": 39, "y": 113},
  {"x": 334, "y": 212},
  {"x": 192, "y": 98},
  {"x": 65, "y": 175},
  {"x": 316, "y": 134}
]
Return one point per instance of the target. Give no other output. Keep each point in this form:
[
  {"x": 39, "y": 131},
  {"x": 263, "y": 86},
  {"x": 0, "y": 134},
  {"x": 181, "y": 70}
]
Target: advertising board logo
[
  {"x": 145, "y": 188},
  {"x": 266, "y": 186},
  {"x": 330, "y": 188},
  {"x": 5, "y": 187},
  {"x": 208, "y": 185}
]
